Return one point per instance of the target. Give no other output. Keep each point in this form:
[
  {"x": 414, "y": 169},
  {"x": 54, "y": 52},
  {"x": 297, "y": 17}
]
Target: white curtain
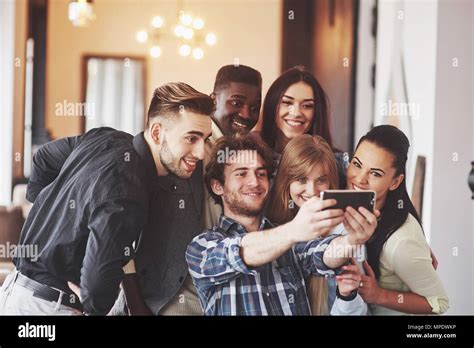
[{"x": 114, "y": 96}]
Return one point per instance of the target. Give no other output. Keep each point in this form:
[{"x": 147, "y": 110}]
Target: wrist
[
  {"x": 381, "y": 296},
  {"x": 346, "y": 296},
  {"x": 289, "y": 233}
]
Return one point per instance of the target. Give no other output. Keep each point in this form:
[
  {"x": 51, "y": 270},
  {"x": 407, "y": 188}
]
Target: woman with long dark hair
[
  {"x": 400, "y": 276},
  {"x": 296, "y": 104}
]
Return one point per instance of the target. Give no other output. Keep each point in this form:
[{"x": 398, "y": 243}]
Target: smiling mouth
[
  {"x": 190, "y": 165},
  {"x": 253, "y": 194},
  {"x": 293, "y": 123},
  {"x": 357, "y": 188}
]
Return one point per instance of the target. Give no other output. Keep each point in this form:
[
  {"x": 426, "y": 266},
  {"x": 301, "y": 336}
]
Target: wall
[
  {"x": 435, "y": 32},
  {"x": 249, "y": 30},
  {"x": 7, "y": 36},
  {"x": 452, "y": 223},
  {"x": 418, "y": 24}
]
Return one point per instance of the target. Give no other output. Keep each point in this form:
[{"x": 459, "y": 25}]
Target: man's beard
[
  {"x": 171, "y": 163},
  {"x": 239, "y": 207}
]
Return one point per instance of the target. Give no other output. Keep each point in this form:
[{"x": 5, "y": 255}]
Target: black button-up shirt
[{"x": 91, "y": 198}]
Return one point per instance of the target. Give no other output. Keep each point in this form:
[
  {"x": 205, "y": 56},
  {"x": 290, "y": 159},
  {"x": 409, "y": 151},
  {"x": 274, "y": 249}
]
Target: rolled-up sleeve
[
  {"x": 310, "y": 256},
  {"x": 413, "y": 265},
  {"x": 213, "y": 259}
]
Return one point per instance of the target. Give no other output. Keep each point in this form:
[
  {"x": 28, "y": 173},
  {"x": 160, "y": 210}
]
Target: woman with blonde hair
[{"x": 308, "y": 167}]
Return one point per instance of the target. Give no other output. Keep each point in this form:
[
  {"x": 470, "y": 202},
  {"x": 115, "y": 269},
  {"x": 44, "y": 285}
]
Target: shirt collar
[
  {"x": 226, "y": 224},
  {"x": 143, "y": 150},
  {"x": 216, "y": 132}
]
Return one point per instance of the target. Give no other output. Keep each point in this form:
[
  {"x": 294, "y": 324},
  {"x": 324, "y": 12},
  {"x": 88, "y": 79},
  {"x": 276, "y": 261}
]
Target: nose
[
  {"x": 294, "y": 109},
  {"x": 199, "y": 150},
  {"x": 361, "y": 177},
  {"x": 245, "y": 111},
  {"x": 311, "y": 189},
  {"x": 252, "y": 179}
]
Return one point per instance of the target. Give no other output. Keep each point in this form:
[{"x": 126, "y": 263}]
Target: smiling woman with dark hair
[
  {"x": 296, "y": 104},
  {"x": 401, "y": 278}
]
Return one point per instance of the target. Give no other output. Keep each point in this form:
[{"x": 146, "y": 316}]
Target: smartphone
[{"x": 353, "y": 198}]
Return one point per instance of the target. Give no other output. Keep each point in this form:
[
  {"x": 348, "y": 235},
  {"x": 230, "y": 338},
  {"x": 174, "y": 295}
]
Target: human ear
[
  {"x": 216, "y": 187},
  {"x": 156, "y": 133},
  {"x": 396, "y": 182}
]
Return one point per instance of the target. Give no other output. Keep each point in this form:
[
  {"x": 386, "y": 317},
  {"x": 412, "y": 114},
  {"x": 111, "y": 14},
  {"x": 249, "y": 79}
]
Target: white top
[{"x": 406, "y": 265}]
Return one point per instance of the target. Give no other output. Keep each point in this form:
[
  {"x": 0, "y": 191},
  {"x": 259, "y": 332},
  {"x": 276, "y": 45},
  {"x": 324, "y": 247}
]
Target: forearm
[
  {"x": 259, "y": 248},
  {"x": 338, "y": 252},
  {"x": 406, "y": 302},
  {"x": 135, "y": 303}
]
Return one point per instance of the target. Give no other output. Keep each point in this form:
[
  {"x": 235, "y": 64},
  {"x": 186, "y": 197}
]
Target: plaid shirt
[{"x": 227, "y": 286}]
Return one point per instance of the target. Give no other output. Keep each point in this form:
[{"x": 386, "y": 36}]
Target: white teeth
[
  {"x": 294, "y": 123},
  {"x": 192, "y": 164},
  {"x": 356, "y": 188},
  {"x": 240, "y": 125}
]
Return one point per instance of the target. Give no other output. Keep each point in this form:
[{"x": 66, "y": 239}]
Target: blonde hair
[{"x": 299, "y": 157}]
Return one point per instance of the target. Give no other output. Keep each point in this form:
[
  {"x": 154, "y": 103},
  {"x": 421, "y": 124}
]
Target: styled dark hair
[
  {"x": 229, "y": 144},
  {"x": 271, "y": 104},
  {"x": 237, "y": 73},
  {"x": 170, "y": 99},
  {"x": 397, "y": 204}
]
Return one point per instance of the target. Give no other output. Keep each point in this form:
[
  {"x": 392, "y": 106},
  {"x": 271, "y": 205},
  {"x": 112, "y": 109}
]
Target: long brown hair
[
  {"x": 299, "y": 157},
  {"x": 271, "y": 105}
]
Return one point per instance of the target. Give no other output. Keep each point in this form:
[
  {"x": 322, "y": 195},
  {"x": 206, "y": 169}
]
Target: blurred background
[{"x": 68, "y": 66}]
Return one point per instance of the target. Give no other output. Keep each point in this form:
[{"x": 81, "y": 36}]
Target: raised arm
[
  {"x": 310, "y": 223},
  {"x": 47, "y": 163}
]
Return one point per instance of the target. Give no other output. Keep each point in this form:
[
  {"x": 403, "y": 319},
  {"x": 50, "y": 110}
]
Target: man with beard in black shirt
[{"x": 92, "y": 197}]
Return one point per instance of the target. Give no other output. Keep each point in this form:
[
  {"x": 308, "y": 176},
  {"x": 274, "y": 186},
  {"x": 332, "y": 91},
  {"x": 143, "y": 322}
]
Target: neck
[
  {"x": 160, "y": 168},
  {"x": 251, "y": 223},
  {"x": 379, "y": 204}
]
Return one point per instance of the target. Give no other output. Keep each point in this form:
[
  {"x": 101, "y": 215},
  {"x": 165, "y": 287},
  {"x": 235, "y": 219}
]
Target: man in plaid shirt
[{"x": 245, "y": 265}]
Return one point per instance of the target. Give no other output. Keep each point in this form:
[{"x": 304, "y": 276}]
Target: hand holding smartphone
[{"x": 352, "y": 198}]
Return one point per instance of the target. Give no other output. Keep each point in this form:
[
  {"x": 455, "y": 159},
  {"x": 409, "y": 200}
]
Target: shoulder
[{"x": 409, "y": 238}]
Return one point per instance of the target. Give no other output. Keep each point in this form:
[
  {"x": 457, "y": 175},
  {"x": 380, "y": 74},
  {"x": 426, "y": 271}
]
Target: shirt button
[
  {"x": 180, "y": 279},
  {"x": 268, "y": 294},
  {"x": 174, "y": 187}
]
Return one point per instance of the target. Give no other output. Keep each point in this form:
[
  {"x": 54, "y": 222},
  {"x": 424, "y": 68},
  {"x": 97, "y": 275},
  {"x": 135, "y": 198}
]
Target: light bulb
[
  {"x": 188, "y": 33},
  {"x": 142, "y": 36},
  {"x": 198, "y": 23},
  {"x": 211, "y": 39},
  {"x": 155, "y": 51},
  {"x": 198, "y": 53},
  {"x": 179, "y": 30},
  {"x": 185, "y": 50},
  {"x": 157, "y": 22},
  {"x": 186, "y": 19}
]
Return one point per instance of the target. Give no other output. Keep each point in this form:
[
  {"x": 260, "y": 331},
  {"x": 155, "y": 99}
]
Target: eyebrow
[
  {"x": 287, "y": 96},
  {"x": 378, "y": 169},
  {"x": 200, "y": 134},
  {"x": 246, "y": 168}
]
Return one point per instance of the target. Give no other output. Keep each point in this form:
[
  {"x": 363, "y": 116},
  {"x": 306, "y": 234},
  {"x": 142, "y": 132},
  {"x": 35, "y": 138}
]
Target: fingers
[
  {"x": 74, "y": 289},
  {"x": 368, "y": 269},
  {"x": 359, "y": 217},
  {"x": 352, "y": 221},
  {"x": 330, "y": 213},
  {"x": 369, "y": 217},
  {"x": 329, "y": 223}
]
